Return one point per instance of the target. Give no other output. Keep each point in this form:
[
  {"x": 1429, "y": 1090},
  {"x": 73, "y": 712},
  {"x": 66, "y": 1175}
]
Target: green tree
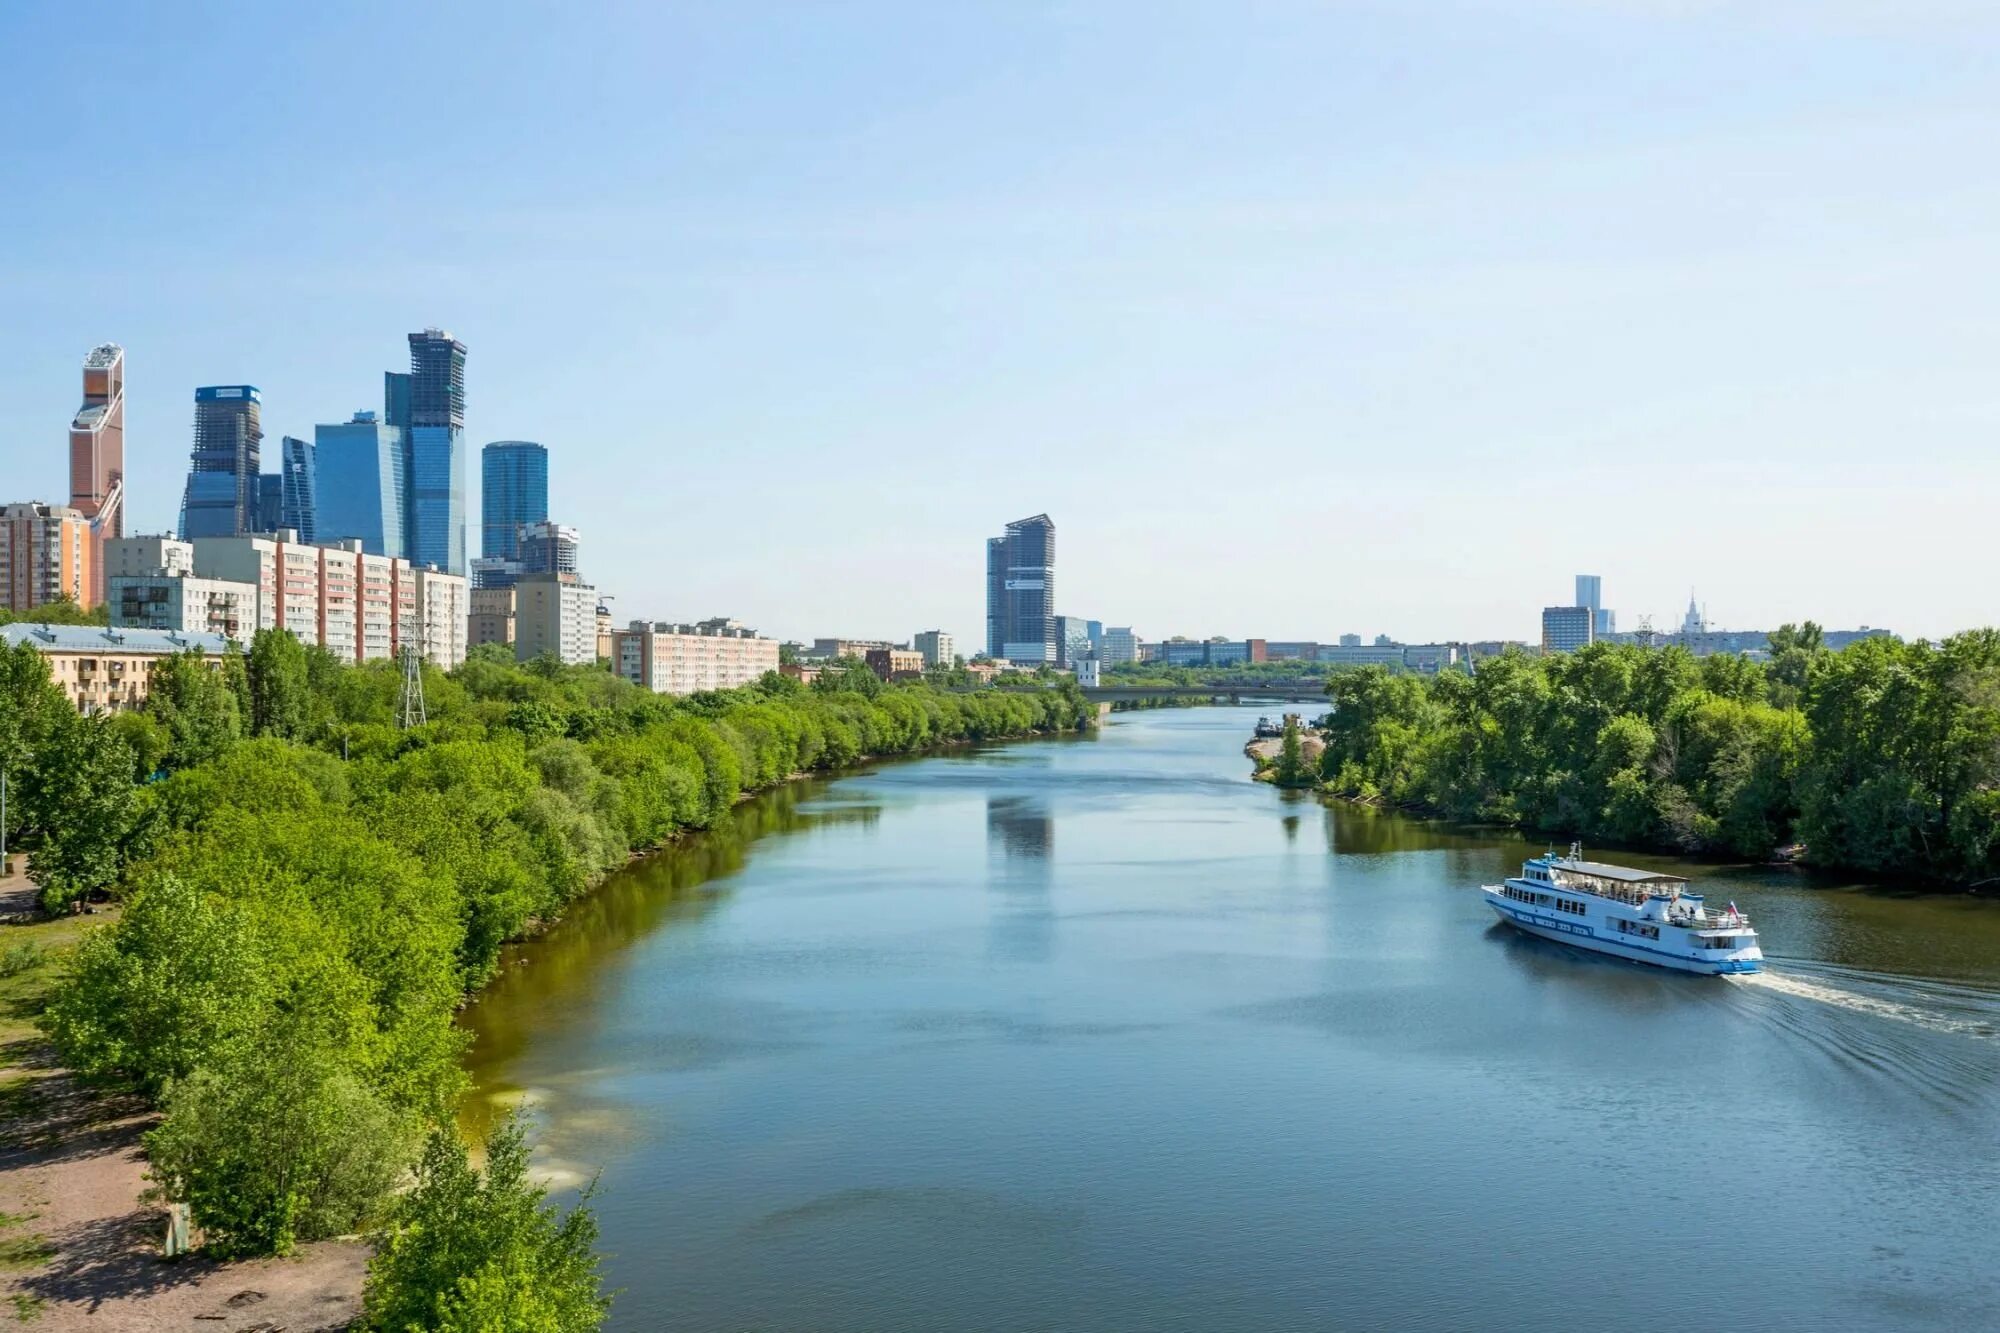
[
  {"x": 278, "y": 685},
  {"x": 485, "y": 1253},
  {"x": 195, "y": 704},
  {"x": 277, "y": 1141},
  {"x": 79, "y": 790}
]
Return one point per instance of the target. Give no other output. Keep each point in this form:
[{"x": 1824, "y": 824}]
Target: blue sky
[{"x": 1298, "y": 318}]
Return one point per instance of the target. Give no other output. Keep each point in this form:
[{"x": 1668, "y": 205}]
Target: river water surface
[{"x": 1097, "y": 1034}]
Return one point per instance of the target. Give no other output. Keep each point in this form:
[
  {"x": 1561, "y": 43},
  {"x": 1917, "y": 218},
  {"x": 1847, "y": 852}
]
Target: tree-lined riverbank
[
  {"x": 300, "y": 926},
  {"x": 1882, "y": 758}
]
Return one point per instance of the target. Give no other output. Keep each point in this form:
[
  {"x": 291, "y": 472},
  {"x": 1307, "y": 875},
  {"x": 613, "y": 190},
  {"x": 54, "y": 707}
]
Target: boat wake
[{"x": 1933, "y": 1005}]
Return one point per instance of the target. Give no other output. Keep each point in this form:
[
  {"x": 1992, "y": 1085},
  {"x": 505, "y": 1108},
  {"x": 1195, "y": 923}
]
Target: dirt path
[{"x": 78, "y": 1250}]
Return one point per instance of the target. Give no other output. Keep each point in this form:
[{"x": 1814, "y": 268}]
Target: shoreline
[{"x": 80, "y": 1245}]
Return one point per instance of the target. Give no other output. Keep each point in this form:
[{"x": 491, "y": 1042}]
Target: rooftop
[
  {"x": 1617, "y": 874},
  {"x": 103, "y": 356},
  {"x": 96, "y": 638}
]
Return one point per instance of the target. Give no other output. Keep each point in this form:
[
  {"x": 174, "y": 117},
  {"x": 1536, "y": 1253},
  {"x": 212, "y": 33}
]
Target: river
[{"x": 1097, "y": 1034}]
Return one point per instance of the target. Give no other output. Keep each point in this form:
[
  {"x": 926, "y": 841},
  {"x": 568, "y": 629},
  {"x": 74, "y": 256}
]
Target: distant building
[
  {"x": 555, "y": 614},
  {"x": 1430, "y": 658},
  {"x": 548, "y": 548},
  {"x": 803, "y": 673},
  {"x": 513, "y": 492},
  {"x": 359, "y": 470},
  {"x": 982, "y": 672},
  {"x": 1567, "y": 628},
  {"x": 1291, "y": 650},
  {"x": 855, "y": 648},
  {"x": 494, "y": 572},
  {"x": 670, "y": 658},
  {"x": 1118, "y": 644},
  {"x": 936, "y": 647},
  {"x": 492, "y": 618},
  {"x": 220, "y": 499},
  {"x": 1087, "y": 673},
  {"x": 1072, "y": 639},
  {"x": 895, "y": 663},
  {"x": 107, "y": 670},
  {"x": 1590, "y": 593},
  {"x": 1358, "y": 654},
  {"x": 1212, "y": 652},
  {"x": 605, "y": 629},
  {"x": 47, "y": 554},
  {"x": 1020, "y": 592},
  {"x": 1383, "y": 641},
  {"x": 270, "y": 501},
  {"x": 435, "y": 512},
  {"x": 356, "y": 605},
  {"x": 97, "y": 454},
  {"x": 297, "y": 508}
]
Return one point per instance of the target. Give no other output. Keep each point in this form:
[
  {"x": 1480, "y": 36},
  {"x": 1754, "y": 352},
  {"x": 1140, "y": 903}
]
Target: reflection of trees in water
[
  {"x": 676, "y": 883},
  {"x": 1361, "y": 831},
  {"x": 1291, "y": 823},
  {"x": 1019, "y": 826}
]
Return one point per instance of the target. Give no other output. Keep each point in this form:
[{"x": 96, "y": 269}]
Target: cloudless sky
[{"x": 1297, "y": 318}]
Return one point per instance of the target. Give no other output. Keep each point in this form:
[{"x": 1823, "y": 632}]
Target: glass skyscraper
[
  {"x": 513, "y": 491},
  {"x": 435, "y": 511},
  {"x": 221, "y": 495},
  {"x": 1021, "y": 591},
  {"x": 356, "y": 472},
  {"x": 297, "y": 507}
]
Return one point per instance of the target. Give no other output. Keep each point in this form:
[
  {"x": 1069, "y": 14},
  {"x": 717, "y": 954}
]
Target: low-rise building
[
  {"x": 555, "y": 615},
  {"x": 47, "y": 554},
  {"x": 936, "y": 647},
  {"x": 671, "y": 658},
  {"x": 982, "y": 673},
  {"x": 109, "y": 670},
  {"x": 1119, "y": 644},
  {"x": 1430, "y": 658},
  {"x": 1361, "y": 654},
  {"x": 858, "y": 649},
  {"x": 1291, "y": 650},
  {"x": 802, "y": 672},
  {"x": 896, "y": 663},
  {"x": 1087, "y": 673},
  {"x": 1211, "y": 652}
]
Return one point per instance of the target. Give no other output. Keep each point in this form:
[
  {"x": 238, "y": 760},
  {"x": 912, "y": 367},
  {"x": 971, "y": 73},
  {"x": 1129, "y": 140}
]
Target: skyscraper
[
  {"x": 435, "y": 512},
  {"x": 548, "y": 548},
  {"x": 221, "y": 495},
  {"x": 513, "y": 490},
  {"x": 1590, "y": 593},
  {"x": 297, "y": 509},
  {"x": 270, "y": 501},
  {"x": 358, "y": 484},
  {"x": 1020, "y": 592},
  {"x": 97, "y": 454}
]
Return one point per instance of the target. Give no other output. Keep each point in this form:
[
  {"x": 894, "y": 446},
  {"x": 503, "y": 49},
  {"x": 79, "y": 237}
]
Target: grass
[
  {"x": 27, "y": 1308},
  {"x": 30, "y": 958}
]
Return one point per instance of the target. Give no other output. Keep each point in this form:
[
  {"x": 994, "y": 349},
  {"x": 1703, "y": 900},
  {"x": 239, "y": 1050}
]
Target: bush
[{"x": 481, "y": 1254}]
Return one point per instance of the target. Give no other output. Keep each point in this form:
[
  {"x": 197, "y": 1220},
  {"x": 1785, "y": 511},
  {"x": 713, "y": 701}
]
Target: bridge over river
[{"x": 1308, "y": 690}]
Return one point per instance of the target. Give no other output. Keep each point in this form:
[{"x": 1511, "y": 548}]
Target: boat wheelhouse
[{"x": 1641, "y": 915}]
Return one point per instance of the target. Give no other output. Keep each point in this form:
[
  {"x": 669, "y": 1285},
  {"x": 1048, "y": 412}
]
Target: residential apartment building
[
  {"x": 684, "y": 659},
  {"x": 1020, "y": 592},
  {"x": 107, "y": 670},
  {"x": 47, "y": 554},
  {"x": 855, "y": 648},
  {"x": 492, "y": 616},
  {"x": 555, "y": 615},
  {"x": 936, "y": 647},
  {"x": 1567, "y": 628},
  {"x": 356, "y": 605},
  {"x": 1119, "y": 644},
  {"x": 896, "y": 663}
]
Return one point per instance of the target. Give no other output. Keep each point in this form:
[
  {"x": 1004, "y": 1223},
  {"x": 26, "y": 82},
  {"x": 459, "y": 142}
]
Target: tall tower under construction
[{"x": 97, "y": 455}]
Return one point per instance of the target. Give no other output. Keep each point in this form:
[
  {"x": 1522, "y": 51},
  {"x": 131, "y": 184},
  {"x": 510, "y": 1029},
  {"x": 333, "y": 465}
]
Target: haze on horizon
[{"x": 1297, "y": 319}]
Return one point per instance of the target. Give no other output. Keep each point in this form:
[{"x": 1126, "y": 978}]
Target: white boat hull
[{"x": 1586, "y": 933}]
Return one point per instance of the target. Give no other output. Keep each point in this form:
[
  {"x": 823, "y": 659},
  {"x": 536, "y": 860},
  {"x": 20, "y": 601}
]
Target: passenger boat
[
  {"x": 1637, "y": 914},
  {"x": 1266, "y": 728}
]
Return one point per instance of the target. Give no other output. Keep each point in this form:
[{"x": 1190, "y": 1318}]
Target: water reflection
[
  {"x": 1020, "y": 826},
  {"x": 1021, "y": 831}
]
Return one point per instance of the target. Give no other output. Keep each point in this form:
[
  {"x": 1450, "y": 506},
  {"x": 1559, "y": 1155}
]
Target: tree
[
  {"x": 473, "y": 1253},
  {"x": 196, "y": 705},
  {"x": 278, "y": 1141},
  {"x": 79, "y": 790},
  {"x": 31, "y": 705},
  {"x": 278, "y": 685}
]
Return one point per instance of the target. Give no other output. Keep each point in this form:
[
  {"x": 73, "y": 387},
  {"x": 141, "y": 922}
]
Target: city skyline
[{"x": 1527, "y": 290}]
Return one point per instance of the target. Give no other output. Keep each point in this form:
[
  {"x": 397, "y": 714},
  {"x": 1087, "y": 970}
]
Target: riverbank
[{"x": 84, "y": 1242}]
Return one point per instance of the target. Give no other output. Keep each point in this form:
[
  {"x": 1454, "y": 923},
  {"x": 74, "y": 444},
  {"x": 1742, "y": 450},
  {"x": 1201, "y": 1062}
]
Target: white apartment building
[
  {"x": 671, "y": 658},
  {"x": 936, "y": 646},
  {"x": 355, "y": 605},
  {"x": 555, "y": 614},
  {"x": 1120, "y": 644}
]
